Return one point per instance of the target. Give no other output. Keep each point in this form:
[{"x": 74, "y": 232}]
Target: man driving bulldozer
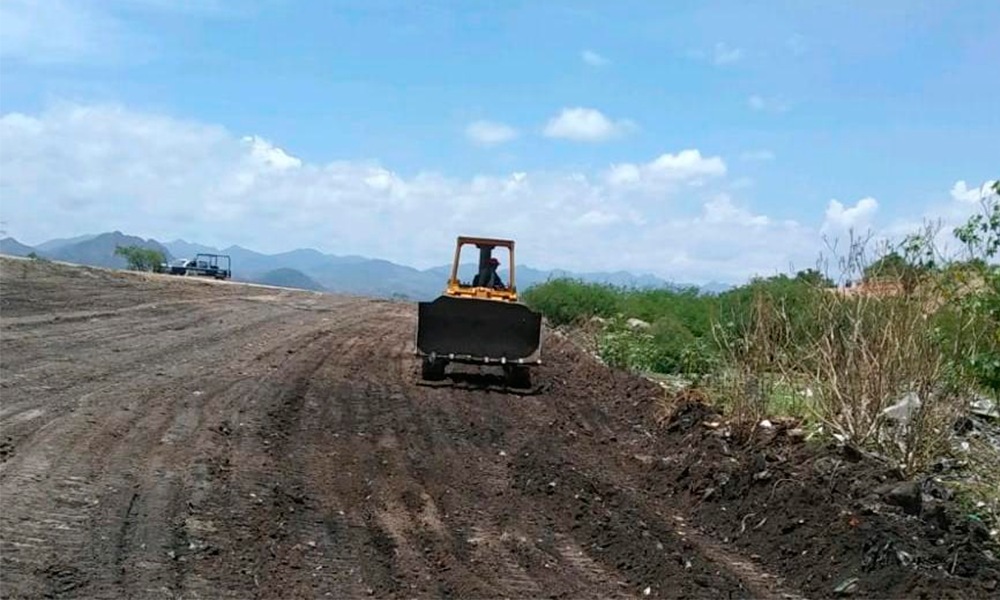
[{"x": 488, "y": 276}]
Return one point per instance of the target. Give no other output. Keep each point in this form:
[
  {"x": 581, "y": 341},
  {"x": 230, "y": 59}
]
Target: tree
[
  {"x": 141, "y": 259},
  {"x": 981, "y": 233},
  {"x": 981, "y": 236},
  {"x": 892, "y": 265},
  {"x": 814, "y": 277}
]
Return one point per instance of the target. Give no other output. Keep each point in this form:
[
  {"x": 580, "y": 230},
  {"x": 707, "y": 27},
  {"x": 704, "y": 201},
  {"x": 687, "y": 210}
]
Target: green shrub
[
  {"x": 625, "y": 347},
  {"x": 671, "y": 338},
  {"x": 565, "y": 301},
  {"x": 141, "y": 259}
]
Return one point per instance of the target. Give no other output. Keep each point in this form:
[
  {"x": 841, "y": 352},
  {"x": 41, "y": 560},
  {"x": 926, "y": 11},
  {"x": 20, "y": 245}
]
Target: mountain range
[{"x": 311, "y": 269}]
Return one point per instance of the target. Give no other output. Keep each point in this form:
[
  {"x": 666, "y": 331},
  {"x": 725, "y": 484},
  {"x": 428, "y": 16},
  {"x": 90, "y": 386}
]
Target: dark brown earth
[{"x": 170, "y": 438}]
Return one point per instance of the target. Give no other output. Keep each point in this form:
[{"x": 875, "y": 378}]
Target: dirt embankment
[{"x": 169, "y": 438}]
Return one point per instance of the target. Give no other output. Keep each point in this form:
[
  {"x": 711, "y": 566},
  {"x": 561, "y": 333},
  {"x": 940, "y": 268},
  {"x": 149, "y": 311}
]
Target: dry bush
[
  {"x": 753, "y": 353},
  {"x": 878, "y": 377},
  {"x": 866, "y": 361},
  {"x": 879, "y": 373}
]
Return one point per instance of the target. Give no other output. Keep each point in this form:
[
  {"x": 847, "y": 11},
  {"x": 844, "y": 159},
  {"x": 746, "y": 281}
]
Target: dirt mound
[{"x": 834, "y": 521}]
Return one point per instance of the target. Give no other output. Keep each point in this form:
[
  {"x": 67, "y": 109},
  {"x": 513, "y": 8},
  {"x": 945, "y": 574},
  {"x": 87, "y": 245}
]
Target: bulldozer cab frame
[{"x": 456, "y": 288}]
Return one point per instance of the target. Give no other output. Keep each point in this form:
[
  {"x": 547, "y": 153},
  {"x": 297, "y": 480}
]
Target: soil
[{"x": 164, "y": 437}]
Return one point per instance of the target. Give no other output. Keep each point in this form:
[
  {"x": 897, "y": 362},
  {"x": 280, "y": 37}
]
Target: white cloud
[
  {"x": 962, "y": 193},
  {"x": 75, "y": 169},
  {"x": 624, "y": 174},
  {"x": 489, "y": 133},
  {"x": 723, "y": 54},
  {"x": 688, "y": 163},
  {"x": 722, "y": 210},
  {"x": 685, "y": 166},
  {"x": 757, "y": 155},
  {"x": 761, "y": 104},
  {"x": 594, "y": 59},
  {"x": 268, "y": 155},
  {"x": 840, "y": 217},
  {"x": 586, "y": 125}
]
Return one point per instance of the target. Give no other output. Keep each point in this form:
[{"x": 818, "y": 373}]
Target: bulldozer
[{"x": 480, "y": 322}]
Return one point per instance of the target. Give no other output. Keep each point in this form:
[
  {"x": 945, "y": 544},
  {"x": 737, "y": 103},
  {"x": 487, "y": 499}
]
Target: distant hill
[
  {"x": 715, "y": 287},
  {"x": 53, "y": 245},
  {"x": 99, "y": 251},
  {"x": 307, "y": 268},
  {"x": 182, "y": 249},
  {"x": 12, "y": 247},
  {"x": 290, "y": 278}
]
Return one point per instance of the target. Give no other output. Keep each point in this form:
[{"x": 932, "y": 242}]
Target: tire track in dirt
[
  {"x": 161, "y": 426},
  {"x": 287, "y": 451},
  {"x": 81, "y": 391}
]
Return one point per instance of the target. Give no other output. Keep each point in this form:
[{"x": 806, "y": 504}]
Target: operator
[{"x": 489, "y": 277}]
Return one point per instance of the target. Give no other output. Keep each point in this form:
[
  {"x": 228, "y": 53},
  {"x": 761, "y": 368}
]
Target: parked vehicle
[{"x": 202, "y": 265}]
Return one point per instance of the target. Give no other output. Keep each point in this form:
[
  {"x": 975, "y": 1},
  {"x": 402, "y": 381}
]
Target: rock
[
  {"x": 645, "y": 459},
  {"x": 797, "y": 434},
  {"x": 846, "y": 587},
  {"x": 902, "y": 411},
  {"x": 985, "y": 407},
  {"x": 637, "y": 323},
  {"x": 905, "y": 495}
]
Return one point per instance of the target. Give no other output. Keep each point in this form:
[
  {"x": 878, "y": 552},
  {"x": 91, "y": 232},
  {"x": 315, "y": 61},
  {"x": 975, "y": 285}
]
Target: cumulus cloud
[
  {"x": 721, "y": 209},
  {"x": 963, "y": 193},
  {"x": 840, "y": 217},
  {"x": 686, "y": 165},
  {"x": 489, "y": 133},
  {"x": 723, "y": 54},
  {"x": 75, "y": 169},
  {"x": 594, "y": 59},
  {"x": 586, "y": 125},
  {"x": 268, "y": 155}
]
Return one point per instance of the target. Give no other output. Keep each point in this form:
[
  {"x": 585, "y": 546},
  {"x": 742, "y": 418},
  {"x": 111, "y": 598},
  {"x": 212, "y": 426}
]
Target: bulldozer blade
[{"x": 478, "y": 329}]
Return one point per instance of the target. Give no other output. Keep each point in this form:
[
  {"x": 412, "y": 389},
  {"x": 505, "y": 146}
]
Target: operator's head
[{"x": 494, "y": 262}]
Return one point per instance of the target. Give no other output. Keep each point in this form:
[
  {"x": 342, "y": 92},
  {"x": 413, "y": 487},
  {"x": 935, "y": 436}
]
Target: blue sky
[{"x": 450, "y": 106}]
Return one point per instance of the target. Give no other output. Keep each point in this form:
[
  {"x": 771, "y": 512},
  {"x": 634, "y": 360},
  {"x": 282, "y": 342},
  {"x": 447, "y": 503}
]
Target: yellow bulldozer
[{"x": 480, "y": 321}]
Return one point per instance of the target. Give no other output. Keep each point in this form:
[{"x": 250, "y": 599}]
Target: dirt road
[{"x": 168, "y": 438}]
